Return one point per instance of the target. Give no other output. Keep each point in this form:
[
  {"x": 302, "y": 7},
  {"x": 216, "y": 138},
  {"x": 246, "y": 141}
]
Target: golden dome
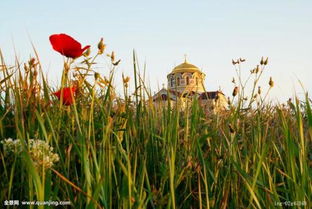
[{"x": 185, "y": 67}]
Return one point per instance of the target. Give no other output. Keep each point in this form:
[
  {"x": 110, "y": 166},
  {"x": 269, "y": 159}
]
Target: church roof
[
  {"x": 210, "y": 94},
  {"x": 163, "y": 94},
  {"x": 186, "y": 67}
]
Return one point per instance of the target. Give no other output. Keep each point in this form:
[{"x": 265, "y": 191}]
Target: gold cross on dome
[{"x": 185, "y": 60}]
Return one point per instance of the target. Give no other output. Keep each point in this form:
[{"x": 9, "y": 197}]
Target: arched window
[
  {"x": 172, "y": 81},
  {"x": 196, "y": 81},
  {"x": 187, "y": 80},
  {"x": 178, "y": 79}
]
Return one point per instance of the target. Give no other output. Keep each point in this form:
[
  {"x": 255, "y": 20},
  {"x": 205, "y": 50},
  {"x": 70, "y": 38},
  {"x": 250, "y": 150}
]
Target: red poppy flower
[
  {"x": 66, "y": 45},
  {"x": 68, "y": 95}
]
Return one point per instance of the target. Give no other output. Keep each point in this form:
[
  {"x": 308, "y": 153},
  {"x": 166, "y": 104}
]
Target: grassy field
[{"x": 104, "y": 151}]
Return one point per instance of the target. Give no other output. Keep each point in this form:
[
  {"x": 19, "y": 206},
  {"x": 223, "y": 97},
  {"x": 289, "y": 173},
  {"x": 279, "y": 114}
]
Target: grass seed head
[
  {"x": 266, "y": 61},
  {"x": 112, "y": 56},
  {"x": 271, "y": 82},
  {"x": 66, "y": 67},
  {"x": 233, "y": 62},
  {"x": 236, "y": 62},
  {"x": 31, "y": 62},
  {"x": 26, "y": 68},
  {"x": 262, "y": 61},
  {"x": 232, "y": 131},
  {"x": 105, "y": 81},
  {"x": 259, "y": 90},
  {"x": 126, "y": 79},
  {"x": 242, "y": 60},
  {"x": 235, "y": 91},
  {"x": 116, "y": 63},
  {"x": 96, "y": 76},
  {"x": 101, "y": 46},
  {"x": 87, "y": 53},
  {"x": 35, "y": 73}
]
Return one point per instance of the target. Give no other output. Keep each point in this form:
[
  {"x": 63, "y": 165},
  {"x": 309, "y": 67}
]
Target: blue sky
[{"x": 211, "y": 33}]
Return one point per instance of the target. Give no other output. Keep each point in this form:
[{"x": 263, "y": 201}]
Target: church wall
[{"x": 179, "y": 81}]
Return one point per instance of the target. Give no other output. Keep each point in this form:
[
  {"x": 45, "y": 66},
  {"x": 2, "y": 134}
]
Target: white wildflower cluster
[
  {"x": 10, "y": 145},
  {"x": 40, "y": 151}
]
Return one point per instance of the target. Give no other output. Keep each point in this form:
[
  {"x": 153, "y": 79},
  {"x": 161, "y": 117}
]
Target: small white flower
[
  {"x": 10, "y": 145},
  {"x": 40, "y": 151}
]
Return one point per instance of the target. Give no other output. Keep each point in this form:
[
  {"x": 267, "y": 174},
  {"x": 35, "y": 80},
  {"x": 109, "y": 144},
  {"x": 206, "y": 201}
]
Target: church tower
[{"x": 186, "y": 78}]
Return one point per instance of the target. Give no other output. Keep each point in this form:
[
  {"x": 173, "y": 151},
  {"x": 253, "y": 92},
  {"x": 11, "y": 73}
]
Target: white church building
[{"x": 185, "y": 83}]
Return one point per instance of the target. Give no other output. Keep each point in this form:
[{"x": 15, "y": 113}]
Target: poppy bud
[
  {"x": 233, "y": 80},
  {"x": 101, "y": 46},
  {"x": 266, "y": 61},
  {"x": 262, "y": 61},
  {"x": 259, "y": 90},
  {"x": 271, "y": 82},
  {"x": 235, "y": 91}
]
